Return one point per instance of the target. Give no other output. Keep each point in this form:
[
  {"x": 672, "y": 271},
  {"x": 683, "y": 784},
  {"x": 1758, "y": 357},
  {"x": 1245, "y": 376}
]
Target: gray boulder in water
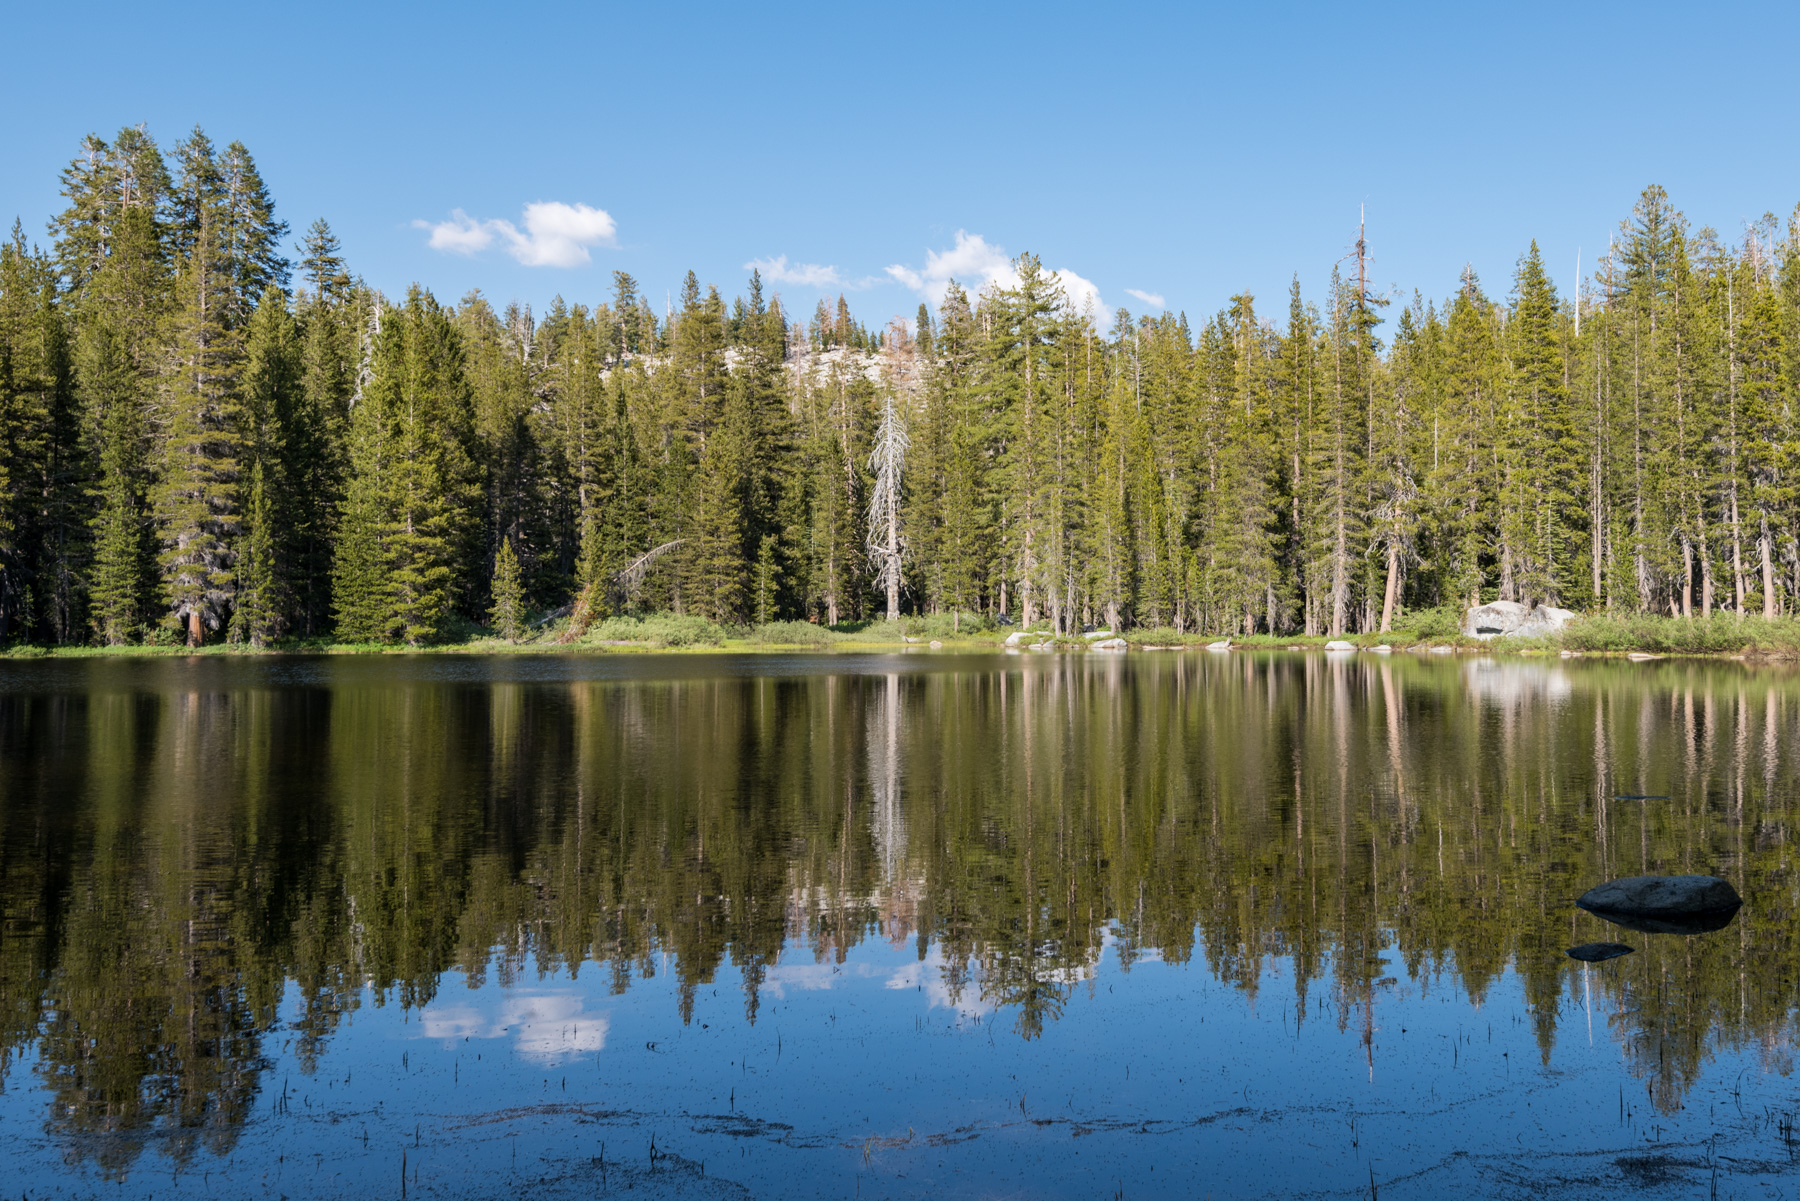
[
  {"x": 1664, "y": 904},
  {"x": 1594, "y": 952}
]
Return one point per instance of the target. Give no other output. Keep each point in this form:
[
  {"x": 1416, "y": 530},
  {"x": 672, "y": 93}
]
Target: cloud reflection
[{"x": 546, "y": 1026}]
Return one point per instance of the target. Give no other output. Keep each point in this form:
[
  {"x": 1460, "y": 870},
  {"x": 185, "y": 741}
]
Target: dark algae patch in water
[{"x": 842, "y": 925}]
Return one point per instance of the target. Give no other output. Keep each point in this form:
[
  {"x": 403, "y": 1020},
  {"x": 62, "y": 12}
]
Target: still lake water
[{"x": 889, "y": 925}]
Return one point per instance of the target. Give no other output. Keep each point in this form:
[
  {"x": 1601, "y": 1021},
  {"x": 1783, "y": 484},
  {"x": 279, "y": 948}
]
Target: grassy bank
[
  {"x": 652, "y": 632},
  {"x": 1595, "y": 634}
]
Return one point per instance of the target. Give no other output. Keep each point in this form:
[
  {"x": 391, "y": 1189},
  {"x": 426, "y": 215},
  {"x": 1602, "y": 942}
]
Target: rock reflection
[{"x": 184, "y": 845}]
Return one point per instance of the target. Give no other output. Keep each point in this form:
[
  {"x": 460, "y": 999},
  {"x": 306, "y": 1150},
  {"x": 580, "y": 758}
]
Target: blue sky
[{"x": 1182, "y": 153}]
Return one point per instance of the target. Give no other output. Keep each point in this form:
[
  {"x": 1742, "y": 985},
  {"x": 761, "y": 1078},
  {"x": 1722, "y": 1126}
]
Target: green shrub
[
  {"x": 1163, "y": 636},
  {"x": 875, "y": 629},
  {"x": 791, "y": 633},
  {"x": 947, "y": 625},
  {"x": 1721, "y": 633},
  {"x": 660, "y": 630},
  {"x": 1445, "y": 621}
]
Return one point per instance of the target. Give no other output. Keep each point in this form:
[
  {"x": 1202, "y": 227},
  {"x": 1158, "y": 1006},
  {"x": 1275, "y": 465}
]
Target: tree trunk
[
  {"x": 1393, "y": 584},
  {"x": 1687, "y": 578},
  {"x": 196, "y": 629},
  {"x": 1737, "y": 556},
  {"x": 1768, "y": 577}
]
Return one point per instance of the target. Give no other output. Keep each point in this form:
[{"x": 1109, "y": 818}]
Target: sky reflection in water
[{"x": 888, "y": 925}]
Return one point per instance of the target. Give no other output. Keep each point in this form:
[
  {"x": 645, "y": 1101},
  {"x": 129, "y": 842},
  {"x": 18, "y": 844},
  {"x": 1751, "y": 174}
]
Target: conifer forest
[{"x": 203, "y": 440}]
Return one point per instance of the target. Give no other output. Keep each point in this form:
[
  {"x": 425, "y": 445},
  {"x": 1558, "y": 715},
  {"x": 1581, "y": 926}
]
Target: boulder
[
  {"x": 1594, "y": 952},
  {"x": 1223, "y": 644},
  {"x": 1016, "y": 637},
  {"x": 1383, "y": 649},
  {"x": 1338, "y": 644},
  {"x": 1511, "y": 619},
  {"x": 1664, "y": 904},
  {"x": 936, "y": 645},
  {"x": 1108, "y": 644},
  {"x": 1090, "y": 635},
  {"x": 1443, "y": 650}
]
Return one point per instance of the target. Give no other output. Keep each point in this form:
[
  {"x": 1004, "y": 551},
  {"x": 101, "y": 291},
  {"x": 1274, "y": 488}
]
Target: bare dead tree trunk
[
  {"x": 1393, "y": 582},
  {"x": 1737, "y": 554},
  {"x": 1687, "y": 578},
  {"x": 887, "y": 460},
  {"x": 1768, "y": 571}
]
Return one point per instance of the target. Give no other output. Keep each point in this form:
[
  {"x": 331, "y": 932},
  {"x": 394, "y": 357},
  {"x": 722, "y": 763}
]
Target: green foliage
[
  {"x": 258, "y": 617},
  {"x": 1418, "y": 625},
  {"x": 659, "y": 630},
  {"x": 1719, "y": 634},
  {"x": 410, "y": 514},
  {"x": 508, "y": 611},
  {"x": 946, "y": 625},
  {"x": 791, "y": 633}
]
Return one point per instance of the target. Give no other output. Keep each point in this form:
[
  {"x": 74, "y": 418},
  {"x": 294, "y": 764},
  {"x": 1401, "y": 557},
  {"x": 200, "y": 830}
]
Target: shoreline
[
  {"x": 1534, "y": 649},
  {"x": 1426, "y": 632}
]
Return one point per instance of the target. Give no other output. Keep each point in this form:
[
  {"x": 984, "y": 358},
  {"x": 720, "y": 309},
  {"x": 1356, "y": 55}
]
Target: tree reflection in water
[{"x": 184, "y": 841}]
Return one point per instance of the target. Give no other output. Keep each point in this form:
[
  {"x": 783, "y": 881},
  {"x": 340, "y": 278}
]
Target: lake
[{"x": 835, "y": 925}]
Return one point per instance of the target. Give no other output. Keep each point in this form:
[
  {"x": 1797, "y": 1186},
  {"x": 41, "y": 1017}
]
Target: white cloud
[
  {"x": 810, "y": 275},
  {"x": 1083, "y": 294},
  {"x": 462, "y": 234},
  {"x": 971, "y": 262},
  {"x": 1153, "y": 299},
  {"x": 974, "y": 262},
  {"x": 556, "y": 234}
]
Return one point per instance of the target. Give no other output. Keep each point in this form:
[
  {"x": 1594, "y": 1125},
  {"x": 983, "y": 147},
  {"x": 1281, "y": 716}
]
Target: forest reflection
[{"x": 184, "y": 844}]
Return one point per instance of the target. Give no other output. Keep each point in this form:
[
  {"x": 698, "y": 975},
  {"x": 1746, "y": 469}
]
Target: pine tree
[
  {"x": 965, "y": 513},
  {"x": 322, "y": 263},
  {"x": 117, "y": 243},
  {"x": 717, "y": 575},
  {"x": 1541, "y": 453},
  {"x": 508, "y": 611},
  {"x": 1762, "y": 384},
  {"x": 315, "y": 433},
  {"x": 195, "y": 495},
  {"x": 1020, "y": 354},
  {"x": 118, "y": 585},
  {"x": 1240, "y": 538},
  {"x": 35, "y": 430},
  {"x": 249, "y": 232},
  {"x": 411, "y": 514},
  {"x": 273, "y": 412},
  {"x": 103, "y": 185},
  {"x": 258, "y": 616}
]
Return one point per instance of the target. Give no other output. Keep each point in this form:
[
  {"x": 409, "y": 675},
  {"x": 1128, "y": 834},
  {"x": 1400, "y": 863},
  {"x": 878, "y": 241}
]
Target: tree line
[{"x": 202, "y": 439}]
